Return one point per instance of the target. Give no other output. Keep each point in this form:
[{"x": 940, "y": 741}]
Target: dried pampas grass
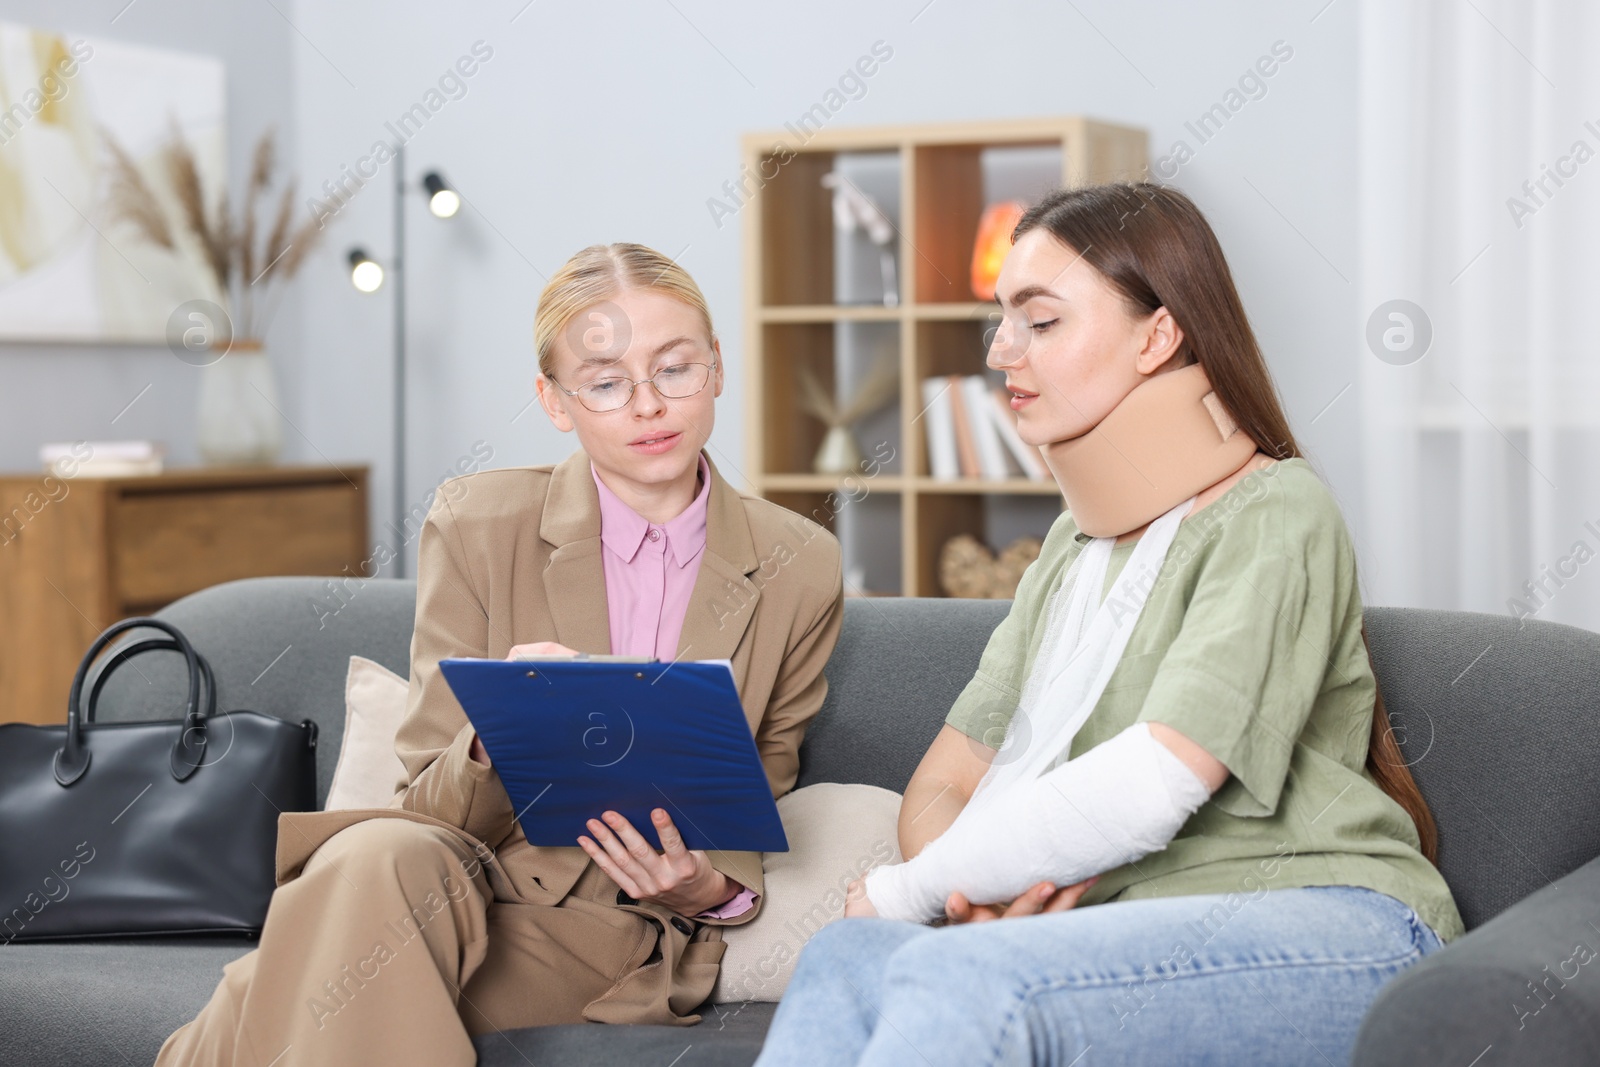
[
  {"x": 242, "y": 266},
  {"x": 876, "y": 391},
  {"x": 278, "y": 236},
  {"x": 260, "y": 175},
  {"x": 184, "y": 175},
  {"x": 132, "y": 199}
]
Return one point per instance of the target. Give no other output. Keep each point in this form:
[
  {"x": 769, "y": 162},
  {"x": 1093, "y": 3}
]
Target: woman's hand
[
  {"x": 677, "y": 878},
  {"x": 856, "y": 902},
  {"x": 541, "y": 648},
  {"x": 1038, "y": 900},
  {"x": 538, "y": 648}
]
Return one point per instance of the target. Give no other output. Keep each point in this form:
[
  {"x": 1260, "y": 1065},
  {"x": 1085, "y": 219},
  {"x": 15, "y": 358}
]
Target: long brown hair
[{"x": 1155, "y": 248}]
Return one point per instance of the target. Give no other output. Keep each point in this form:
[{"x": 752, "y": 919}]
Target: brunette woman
[{"x": 1172, "y": 778}]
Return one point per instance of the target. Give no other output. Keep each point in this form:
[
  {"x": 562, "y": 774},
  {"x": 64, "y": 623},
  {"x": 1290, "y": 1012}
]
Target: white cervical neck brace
[{"x": 1034, "y": 817}]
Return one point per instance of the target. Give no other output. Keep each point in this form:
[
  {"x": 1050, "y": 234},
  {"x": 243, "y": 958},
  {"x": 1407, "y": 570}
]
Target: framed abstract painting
[{"x": 72, "y": 267}]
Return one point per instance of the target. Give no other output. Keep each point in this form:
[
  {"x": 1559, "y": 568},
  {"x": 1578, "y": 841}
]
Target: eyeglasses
[{"x": 677, "y": 382}]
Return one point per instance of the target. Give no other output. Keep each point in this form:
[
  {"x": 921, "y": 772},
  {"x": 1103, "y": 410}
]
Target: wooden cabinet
[
  {"x": 77, "y": 555},
  {"x": 801, "y": 315}
]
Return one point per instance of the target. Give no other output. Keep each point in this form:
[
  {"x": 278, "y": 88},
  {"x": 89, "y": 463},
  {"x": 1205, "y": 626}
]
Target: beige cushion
[
  {"x": 374, "y": 704},
  {"x": 837, "y": 833}
]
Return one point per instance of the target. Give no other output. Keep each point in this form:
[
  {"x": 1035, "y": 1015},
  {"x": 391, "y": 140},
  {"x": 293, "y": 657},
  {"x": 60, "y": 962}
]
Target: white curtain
[{"x": 1480, "y": 207}]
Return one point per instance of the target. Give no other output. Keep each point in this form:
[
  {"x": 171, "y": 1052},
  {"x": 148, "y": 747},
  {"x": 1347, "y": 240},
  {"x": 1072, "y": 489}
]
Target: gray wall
[
  {"x": 73, "y": 392},
  {"x": 586, "y": 127}
]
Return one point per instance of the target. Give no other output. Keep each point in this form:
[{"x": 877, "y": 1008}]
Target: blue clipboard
[{"x": 574, "y": 737}]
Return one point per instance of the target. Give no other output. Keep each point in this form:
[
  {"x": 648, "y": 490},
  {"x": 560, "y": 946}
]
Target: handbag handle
[
  {"x": 72, "y": 759},
  {"x": 152, "y": 644}
]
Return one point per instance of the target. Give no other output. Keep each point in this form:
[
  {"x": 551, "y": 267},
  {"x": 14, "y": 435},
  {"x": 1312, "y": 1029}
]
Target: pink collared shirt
[{"x": 650, "y": 571}]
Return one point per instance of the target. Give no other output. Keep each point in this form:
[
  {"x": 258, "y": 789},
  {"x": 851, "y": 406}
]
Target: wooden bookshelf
[{"x": 794, "y": 317}]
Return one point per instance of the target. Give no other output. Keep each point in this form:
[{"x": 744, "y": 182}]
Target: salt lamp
[{"x": 994, "y": 241}]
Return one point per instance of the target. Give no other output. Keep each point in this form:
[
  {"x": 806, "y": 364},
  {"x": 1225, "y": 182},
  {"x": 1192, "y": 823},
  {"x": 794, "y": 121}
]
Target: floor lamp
[{"x": 367, "y": 275}]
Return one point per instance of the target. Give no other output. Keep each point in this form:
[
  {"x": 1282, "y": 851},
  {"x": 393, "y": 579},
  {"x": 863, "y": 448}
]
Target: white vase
[
  {"x": 838, "y": 454},
  {"x": 239, "y": 419}
]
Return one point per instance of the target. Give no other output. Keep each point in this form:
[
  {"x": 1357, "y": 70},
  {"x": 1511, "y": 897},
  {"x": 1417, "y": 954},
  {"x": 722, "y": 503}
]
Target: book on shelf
[
  {"x": 102, "y": 459},
  {"x": 939, "y": 419},
  {"x": 966, "y": 447},
  {"x": 972, "y": 432},
  {"x": 1027, "y": 456},
  {"x": 985, "y": 434}
]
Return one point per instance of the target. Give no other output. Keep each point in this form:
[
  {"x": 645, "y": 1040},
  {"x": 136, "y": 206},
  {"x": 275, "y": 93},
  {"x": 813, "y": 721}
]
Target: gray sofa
[{"x": 1500, "y": 725}]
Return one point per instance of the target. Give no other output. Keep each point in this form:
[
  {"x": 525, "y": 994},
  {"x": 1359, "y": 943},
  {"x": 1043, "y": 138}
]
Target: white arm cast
[{"x": 1123, "y": 799}]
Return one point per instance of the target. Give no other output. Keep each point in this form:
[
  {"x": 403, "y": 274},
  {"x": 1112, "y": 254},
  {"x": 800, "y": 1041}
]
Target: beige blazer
[{"x": 513, "y": 556}]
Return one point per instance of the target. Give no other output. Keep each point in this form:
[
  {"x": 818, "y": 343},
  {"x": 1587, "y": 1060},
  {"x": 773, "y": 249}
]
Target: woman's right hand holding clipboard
[{"x": 537, "y": 648}]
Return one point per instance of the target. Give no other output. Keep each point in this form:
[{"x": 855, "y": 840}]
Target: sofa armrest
[{"x": 1527, "y": 983}]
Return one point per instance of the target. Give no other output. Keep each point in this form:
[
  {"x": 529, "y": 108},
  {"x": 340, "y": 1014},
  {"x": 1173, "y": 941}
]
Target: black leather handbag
[{"x": 119, "y": 829}]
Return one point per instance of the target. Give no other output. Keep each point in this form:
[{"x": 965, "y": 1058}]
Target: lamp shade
[
  {"x": 992, "y": 244},
  {"x": 443, "y": 201},
  {"x": 365, "y": 272}
]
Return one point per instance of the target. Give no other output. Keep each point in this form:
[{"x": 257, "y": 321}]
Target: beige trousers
[{"x": 393, "y": 946}]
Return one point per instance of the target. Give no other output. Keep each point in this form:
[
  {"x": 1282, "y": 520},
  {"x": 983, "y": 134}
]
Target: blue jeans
[{"x": 1282, "y": 977}]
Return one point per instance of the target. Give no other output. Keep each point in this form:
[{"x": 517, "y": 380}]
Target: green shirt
[{"x": 1249, "y": 645}]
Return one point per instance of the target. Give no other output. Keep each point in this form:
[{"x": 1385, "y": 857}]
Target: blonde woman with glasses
[{"x": 396, "y": 934}]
